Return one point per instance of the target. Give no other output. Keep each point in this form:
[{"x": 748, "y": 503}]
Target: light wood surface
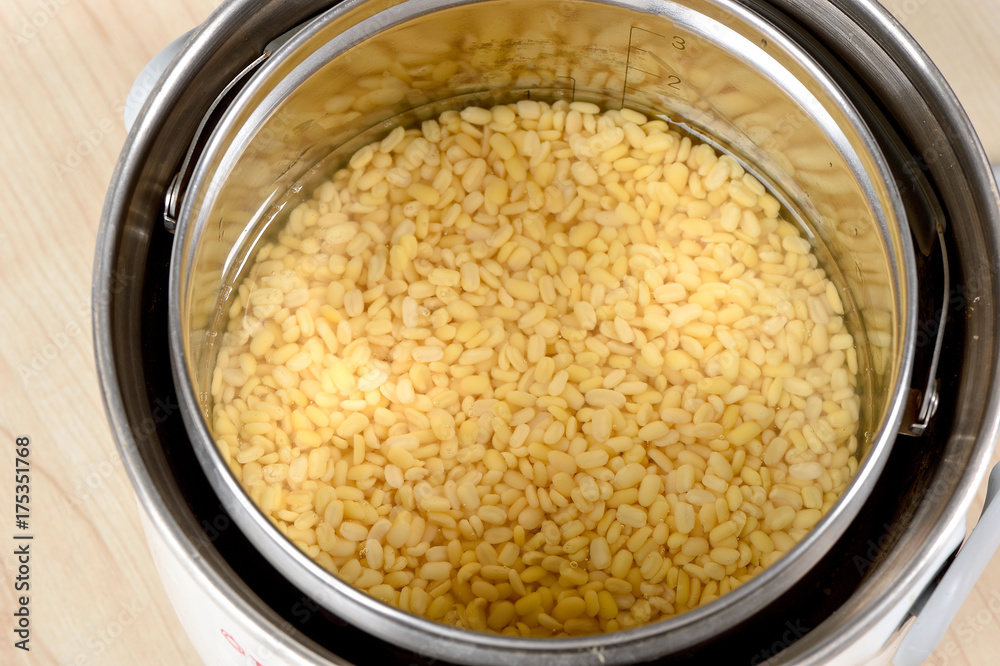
[{"x": 65, "y": 68}]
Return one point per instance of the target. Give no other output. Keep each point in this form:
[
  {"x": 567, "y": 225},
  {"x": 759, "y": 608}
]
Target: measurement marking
[
  {"x": 663, "y": 63},
  {"x": 671, "y": 80},
  {"x": 649, "y": 31},
  {"x": 628, "y": 59},
  {"x": 572, "y": 92}
]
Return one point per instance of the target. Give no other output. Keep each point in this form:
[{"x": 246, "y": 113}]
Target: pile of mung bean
[{"x": 539, "y": 370}]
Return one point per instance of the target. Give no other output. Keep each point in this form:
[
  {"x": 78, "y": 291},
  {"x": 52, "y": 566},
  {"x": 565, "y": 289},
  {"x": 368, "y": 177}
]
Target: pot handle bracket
[
  {"x": 922, "y": 402},
  {"x": 145, "y": 85},
  {"x": 942, "y": 605},
  {"x": 150, "y": 76}
]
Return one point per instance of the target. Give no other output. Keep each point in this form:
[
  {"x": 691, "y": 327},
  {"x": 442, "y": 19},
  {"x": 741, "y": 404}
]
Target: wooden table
[{"x": 65, "y": 68}]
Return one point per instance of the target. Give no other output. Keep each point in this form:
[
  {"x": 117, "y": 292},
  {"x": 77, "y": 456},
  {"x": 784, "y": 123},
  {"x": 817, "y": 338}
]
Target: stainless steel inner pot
[
  {"x": 354, "y": 73},
  {"x": 776, "y": 84}
]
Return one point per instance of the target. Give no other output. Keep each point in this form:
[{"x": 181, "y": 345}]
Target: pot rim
[{"x": 428, "y": 636}]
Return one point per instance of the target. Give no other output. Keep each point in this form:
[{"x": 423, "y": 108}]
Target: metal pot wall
[{"x": 910, "y": 501}]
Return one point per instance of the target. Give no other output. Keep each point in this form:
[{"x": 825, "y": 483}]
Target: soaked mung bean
[{"x": 539, "y": 370}]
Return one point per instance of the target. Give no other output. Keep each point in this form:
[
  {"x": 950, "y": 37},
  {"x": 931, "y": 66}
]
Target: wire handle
[{"x": 146, "y": 83}]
